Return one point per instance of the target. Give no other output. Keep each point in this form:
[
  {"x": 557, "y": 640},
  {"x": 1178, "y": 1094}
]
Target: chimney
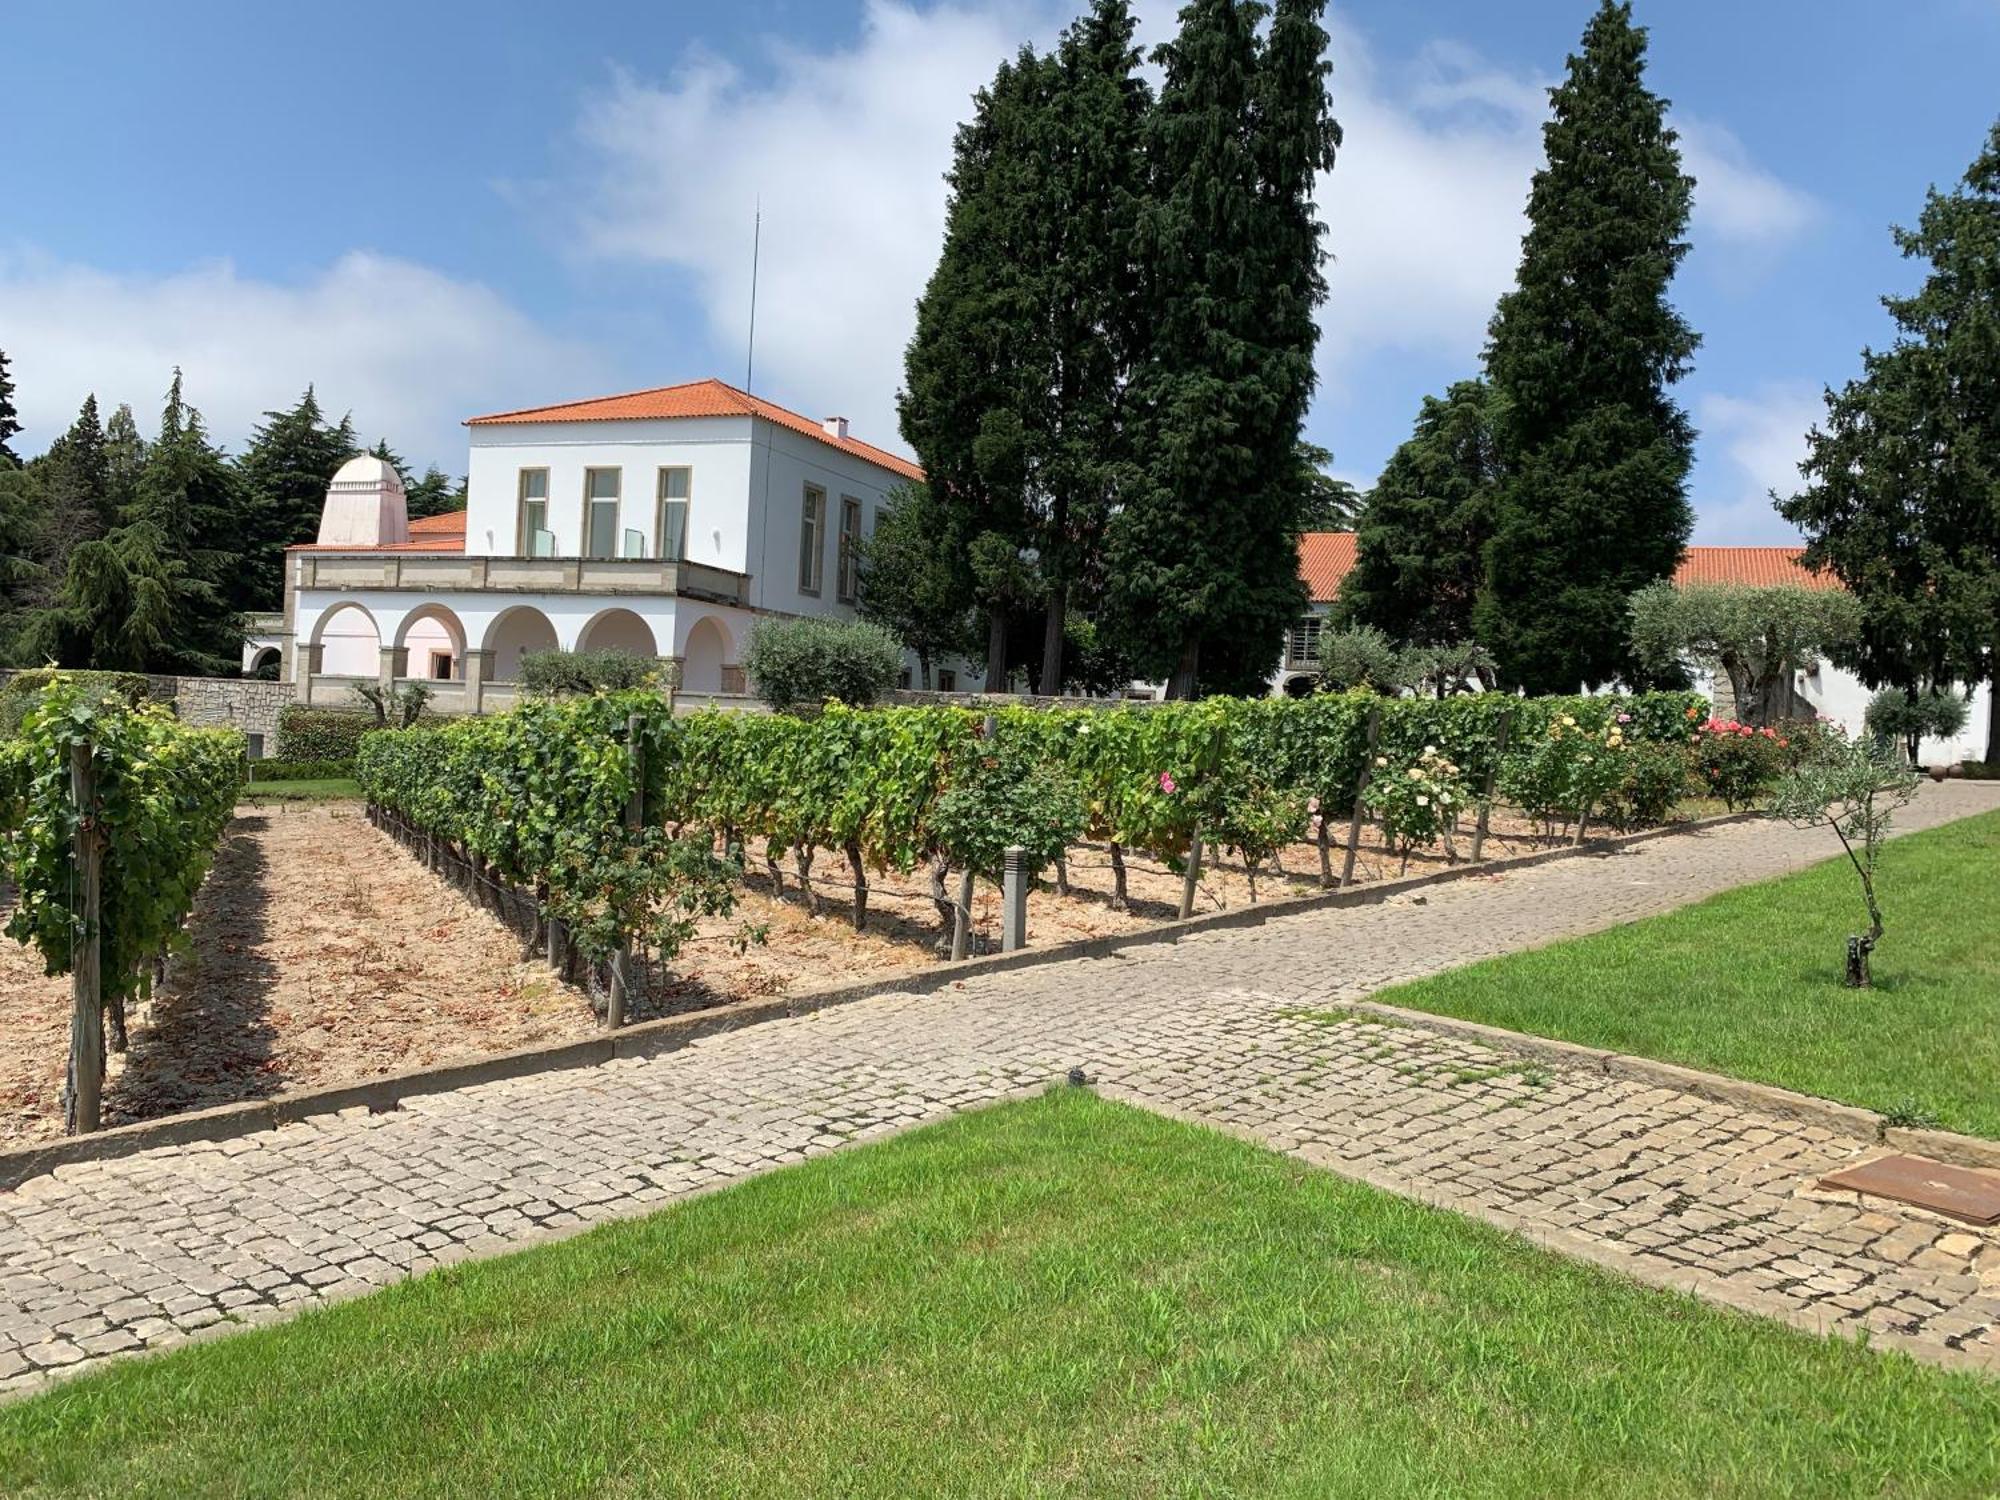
[{"x": 835, "y": 426}]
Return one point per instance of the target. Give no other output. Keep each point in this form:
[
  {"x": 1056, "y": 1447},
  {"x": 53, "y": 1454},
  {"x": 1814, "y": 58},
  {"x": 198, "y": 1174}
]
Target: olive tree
[
  {"x": 1909, "y": 717},
  {"x": 1852, "y": 787},
  {"x": 1756, "y": 636}
]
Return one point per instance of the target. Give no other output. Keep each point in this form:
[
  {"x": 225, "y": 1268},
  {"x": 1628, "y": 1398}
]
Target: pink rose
[{"x": 1168, "y": 784}]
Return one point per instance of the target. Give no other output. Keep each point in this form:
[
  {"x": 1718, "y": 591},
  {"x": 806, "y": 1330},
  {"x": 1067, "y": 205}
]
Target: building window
[
  {"x": 600, "y": 512},
  {"x": 536, "y": 540},
  {"x": 441, "y": 664},
  {"x": 812, "y": 522},
  {"x": 1302, "y": 642},
  {"x": 947, "y": 680},
  {"x": 850, "y": 549},
  {"x": 672, "y": 521}
]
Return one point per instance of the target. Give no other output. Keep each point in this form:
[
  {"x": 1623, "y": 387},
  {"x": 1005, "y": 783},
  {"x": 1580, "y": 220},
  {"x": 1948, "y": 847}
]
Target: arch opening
[
  {"x": 701, "y": 661},
  {"x": 351, "y": 645},
  {"x": 515, "y": 633}
]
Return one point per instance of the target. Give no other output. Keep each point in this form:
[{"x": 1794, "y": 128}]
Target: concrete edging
[{"x": 652, "y": 1038}]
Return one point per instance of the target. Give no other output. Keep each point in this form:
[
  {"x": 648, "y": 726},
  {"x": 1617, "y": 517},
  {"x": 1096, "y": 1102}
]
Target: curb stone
[{"x": 670, "y": 1033}]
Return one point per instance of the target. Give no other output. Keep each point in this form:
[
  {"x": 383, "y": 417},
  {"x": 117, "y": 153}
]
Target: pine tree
[
  {"x": 76, "y": 495},
  {"x": 392, "y": 458},
  {"x": 124, "y": 458},
  {"x": 284, "y": 472},
  {"x": 1422, "y": 533},
  {"x": 1204, "y": 562},
  {"x": 1902, "y": 495},
  {"x": 1327, "y": 503},
  {"x": 1593, "y": 503},
  {"x": 9, "y": 418},
  {"x": 436, "y": 494}
]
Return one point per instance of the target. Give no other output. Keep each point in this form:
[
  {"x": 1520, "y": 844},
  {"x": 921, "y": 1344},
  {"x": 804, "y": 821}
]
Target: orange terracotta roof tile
[
  {"x": 451, "y": 523},
  {"x": 1325, "y": 560},
  {"x": 1760, "y": 567},
  {"x": 700, "y": 398},
  {"x": 1327, "y": 557}
]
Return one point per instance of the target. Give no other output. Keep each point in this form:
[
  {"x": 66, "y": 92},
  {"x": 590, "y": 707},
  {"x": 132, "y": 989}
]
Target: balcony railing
[{"x": 432, "y": 572}]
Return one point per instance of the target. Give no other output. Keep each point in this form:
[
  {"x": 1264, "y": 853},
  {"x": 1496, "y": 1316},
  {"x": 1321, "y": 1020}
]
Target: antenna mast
[{"x": 756, "y": 245}]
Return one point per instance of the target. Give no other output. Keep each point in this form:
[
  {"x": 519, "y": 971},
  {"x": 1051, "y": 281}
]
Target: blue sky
[{"x": 439, "y": 209}]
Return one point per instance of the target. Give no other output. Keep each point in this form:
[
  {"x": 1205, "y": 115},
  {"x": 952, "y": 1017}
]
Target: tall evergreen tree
[
  {"x": 284, "y": 472},
  {"x": 970, "y": 372},
  {"x": 75, "y": 496},
  {"x": 393, "y": 459},
  {"x": 1593, "y": 504},
  {"x": 1327, "y": 503},
  {"x": 436, "y": 494},
  {"x": 124, "y": 458},
  {"x": 1204, "y": 560},
  {"x": 913, "y": 578},
  {"x": 153, "y": 595},
  {"x": 10, "y": 423},
  {"x": 1422, "y": 533},
  {"x": 1902, "y": 495}
]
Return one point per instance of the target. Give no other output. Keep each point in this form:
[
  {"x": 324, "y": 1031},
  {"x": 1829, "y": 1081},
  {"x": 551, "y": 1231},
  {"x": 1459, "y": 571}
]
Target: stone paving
[{"x": 1233, "y": 1028}]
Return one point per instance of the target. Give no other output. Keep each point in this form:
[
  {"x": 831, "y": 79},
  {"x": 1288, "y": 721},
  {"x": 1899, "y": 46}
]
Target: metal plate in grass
[{"x": 1957, "y": 1192}]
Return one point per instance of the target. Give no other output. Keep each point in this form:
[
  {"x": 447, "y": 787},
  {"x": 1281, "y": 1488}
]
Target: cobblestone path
[{"x": 147, "y": 1250}]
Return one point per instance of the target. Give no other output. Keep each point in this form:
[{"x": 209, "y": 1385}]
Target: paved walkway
[{"x": 147, "y": 1250}]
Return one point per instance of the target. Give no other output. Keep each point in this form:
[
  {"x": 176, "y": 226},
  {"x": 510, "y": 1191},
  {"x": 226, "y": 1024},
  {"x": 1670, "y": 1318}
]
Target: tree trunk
[
  {"x": 860, "y": 885},
  {"x": 941, "y": 899},
  {"x": 1052, "y": 640},
  {"x": 1180, "y": 686},
  {"x": 924, "y": 669},
  {"x": 802, "y": 861},
  {"x": 1993, "y": 711},
  {"x": 996, "y": 650},
  {"x": 1118, "y": 902}
]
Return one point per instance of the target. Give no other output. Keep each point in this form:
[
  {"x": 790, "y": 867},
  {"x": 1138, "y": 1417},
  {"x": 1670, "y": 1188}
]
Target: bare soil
[{"x": 321, "y": 952}]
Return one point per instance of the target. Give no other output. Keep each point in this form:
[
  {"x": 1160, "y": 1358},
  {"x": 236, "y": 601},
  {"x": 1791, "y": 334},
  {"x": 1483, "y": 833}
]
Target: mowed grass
[
  {"x": 329, "y": 790},
  {"x": 1748, "y": 983},
  {"x": 1058, "y": 1297}
]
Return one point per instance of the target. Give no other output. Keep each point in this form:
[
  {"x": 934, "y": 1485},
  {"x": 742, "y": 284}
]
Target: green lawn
[
  {"x": 1748, "y": 983},
  {"x": 1058, "y": 1297},
  {"x": 300, "y": 791}
]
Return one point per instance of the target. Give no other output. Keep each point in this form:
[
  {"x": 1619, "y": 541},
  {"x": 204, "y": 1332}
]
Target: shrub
[
  {"x": 395, "y": 707},
  {"x": 1360, "y": 656},
  {"x": 321, "y": 733},
  {"x": 1002, "y": 793},
  {"x": 1736, "y": 762},
  {"x": 805, "y": 662},
  {"x": 1417, "y": 804},
  {"x": 1894, "y": 714},
  {"x": 565, "y": 674},
  {"x": 1569, "y": 770},
  {"x": 271, "y": 769},
  {"x": 1981, "y": 770},
  {"x": 1656, "y": 778}
]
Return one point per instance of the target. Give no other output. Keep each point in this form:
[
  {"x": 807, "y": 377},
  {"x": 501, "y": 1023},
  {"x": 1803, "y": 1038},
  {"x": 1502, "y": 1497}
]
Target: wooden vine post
[
  {"x": 1492, "y": 774},
  {"x": 86, "y": 1013},
  {"x": 1360, "y": 792},
  {"x": 635, "y": 819}
]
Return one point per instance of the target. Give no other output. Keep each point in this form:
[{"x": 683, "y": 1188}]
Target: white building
[
  {"x": 661, "y": 522},
  {"x": 1828, "y": 692}
]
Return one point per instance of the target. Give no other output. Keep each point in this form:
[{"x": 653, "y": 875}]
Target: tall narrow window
[
  {"x": 850, "y": 549},
  {"x": 600, "y": 512},
  {"x": 812, "y": 523},
  {"x": 673, "y": 517},
  {"x": 536, "y": 540}
]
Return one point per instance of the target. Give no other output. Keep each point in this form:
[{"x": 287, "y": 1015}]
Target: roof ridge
[{"x": 644, "y": 390}]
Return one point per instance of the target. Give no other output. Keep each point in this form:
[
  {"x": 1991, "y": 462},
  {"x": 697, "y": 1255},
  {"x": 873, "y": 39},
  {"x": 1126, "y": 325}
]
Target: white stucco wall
[{"x": 1842, "y": 698}]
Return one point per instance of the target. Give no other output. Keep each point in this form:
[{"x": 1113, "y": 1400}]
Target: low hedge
[
  {"x": 301, "y": 770},
  {"x": 321, "y": 734},
  {"x": 1980, "y": 770}
]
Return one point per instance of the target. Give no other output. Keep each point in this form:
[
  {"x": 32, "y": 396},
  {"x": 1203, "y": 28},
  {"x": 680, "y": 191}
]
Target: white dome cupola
[{"x": 364, "y": 505}]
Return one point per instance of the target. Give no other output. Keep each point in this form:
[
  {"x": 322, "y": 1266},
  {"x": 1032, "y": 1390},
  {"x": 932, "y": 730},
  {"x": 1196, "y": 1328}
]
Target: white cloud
[
  {"x": 848, "y": 146},
  {"x": 1751, "y": 446},
  {"x": 410, "y": 351}
]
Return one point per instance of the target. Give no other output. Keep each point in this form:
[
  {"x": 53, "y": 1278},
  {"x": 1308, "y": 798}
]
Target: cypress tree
[
  {"x": 1593, "y": 503},
  {"x": 1204, "y": 561},
  {"x": 971, "y": 370},
  {"x": 1902, "y": 494},
  {"x": 10, "y": 423},
  {"x": 284, "y": 472},
  {"x": 1422, "y": 534}
]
